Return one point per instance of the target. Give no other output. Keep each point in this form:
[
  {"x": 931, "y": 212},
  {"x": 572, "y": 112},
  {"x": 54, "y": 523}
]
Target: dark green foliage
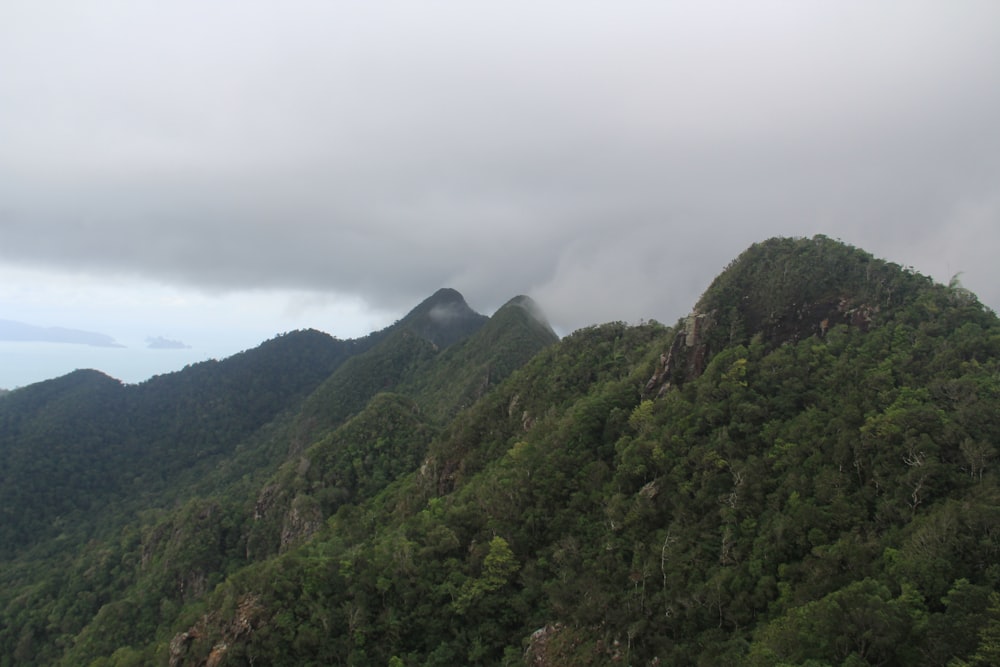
[
  {"x": 442, "y": 382},
  {"x": 382, "y": 368},
  {"x": 42, "y": 496},
  {"x": 72, "y": 445},
  {"x": 93, "y": 453},
  {"x": 387, "y": 439},
  {"x": 466, "y": 371},
  {"x": 821, "y": 491},
  {"x": 784, "y": 287}
]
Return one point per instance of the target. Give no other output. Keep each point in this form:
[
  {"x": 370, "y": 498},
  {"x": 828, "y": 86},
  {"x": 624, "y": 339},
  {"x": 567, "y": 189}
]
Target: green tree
[{"x": 498, "y": 567}]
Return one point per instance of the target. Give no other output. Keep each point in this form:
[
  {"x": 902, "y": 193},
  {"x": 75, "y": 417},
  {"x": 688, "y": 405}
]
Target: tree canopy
[{"x": 820, "y": 488}]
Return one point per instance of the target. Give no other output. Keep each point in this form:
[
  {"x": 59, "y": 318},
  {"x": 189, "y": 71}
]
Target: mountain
[
  {"x": 444, "y": 318},
  {"x": 73, "y": 446},
  {"x": 87, "y": 460},
  {"x": 802, "y": 471},
  {"x": 105, "y": 442}
]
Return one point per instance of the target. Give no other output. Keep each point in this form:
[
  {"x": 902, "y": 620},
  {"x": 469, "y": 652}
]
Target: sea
[{"x": 24, "y": 363}]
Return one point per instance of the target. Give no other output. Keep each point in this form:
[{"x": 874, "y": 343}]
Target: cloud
[{"x": 607, "y": 160}]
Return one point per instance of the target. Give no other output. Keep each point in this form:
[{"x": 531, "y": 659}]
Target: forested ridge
[{"x": 801, "y": 472}]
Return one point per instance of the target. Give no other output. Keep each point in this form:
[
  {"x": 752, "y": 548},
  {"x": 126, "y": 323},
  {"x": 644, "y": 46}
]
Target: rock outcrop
[{"x": 699, "y": 335}]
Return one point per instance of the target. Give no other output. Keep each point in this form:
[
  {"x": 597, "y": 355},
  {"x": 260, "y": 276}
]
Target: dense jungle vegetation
[{"x": 801, "y": 472}]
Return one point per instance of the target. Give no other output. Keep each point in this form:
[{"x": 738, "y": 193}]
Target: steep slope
[
  {"x": 53, "y": 464},
  {"x": 807, "y": 495},
  {"x": 381, "y": 410},
  {"x": 803, "y": 472},
  {"x": 785, "y": 290},
  {"x": 205, "y": 492},
  {"x": 401, "y": 351},
  {"x": 435, "y": 570},
  {"x": 72, "y": 445},
  {"x": 512, "y": 336}
]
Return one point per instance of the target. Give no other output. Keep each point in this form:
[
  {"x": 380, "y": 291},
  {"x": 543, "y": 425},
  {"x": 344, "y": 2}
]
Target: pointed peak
[
  {"x": 447, "y": 294},
  {"x": 523, "y": 301},
  {"x": 531, "y": 307},
  {"x": 443, "y": 318},
  {"x": 527, "y": 303},
  {"x": 445, "y": 300}
]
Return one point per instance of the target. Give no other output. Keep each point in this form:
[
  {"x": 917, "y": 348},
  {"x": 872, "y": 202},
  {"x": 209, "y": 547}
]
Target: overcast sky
[{"x": 214, "y": 173}]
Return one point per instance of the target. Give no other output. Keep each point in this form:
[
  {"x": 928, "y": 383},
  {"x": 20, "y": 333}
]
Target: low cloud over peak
[{"x": 609, "y": 161}]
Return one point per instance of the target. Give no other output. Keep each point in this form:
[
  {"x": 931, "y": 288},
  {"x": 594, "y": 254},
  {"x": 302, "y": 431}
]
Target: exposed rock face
[
  {"x": 692, "y": 347},
  {"x": 179, "y": 647},
  {"x": 556, "y": 644},
  {"x": 303, "y": 519},
  {"x": 687, "y": 356},
  {"x": 192, "y": 584},
  {"x": 217, "y": 655},
  {"x": 538, "y": 645},
  {"x": 227, "y": 632},
  {"x": 783, "y": 290},
  {"x": 810, "y": 319},
  {"x": 527, "y": 421},
  {"x": 265, "y": 500}
]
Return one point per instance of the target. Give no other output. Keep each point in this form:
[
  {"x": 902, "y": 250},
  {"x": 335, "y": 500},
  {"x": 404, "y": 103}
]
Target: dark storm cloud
[{"x": 607, "y": 159}]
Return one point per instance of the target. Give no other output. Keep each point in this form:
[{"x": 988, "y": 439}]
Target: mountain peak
[
  {"x": 443, "y": 318},
  {"x": 789, "y": 269},
  {"x": 531, "y": 306},
  {"x": 448, "y": 295},
  {"x": 787, "y": 289}
]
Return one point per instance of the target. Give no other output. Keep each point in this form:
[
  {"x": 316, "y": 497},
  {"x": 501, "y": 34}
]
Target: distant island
[
  {"x": 161, "y": 343},
  {"x": 13, "y": 331}
]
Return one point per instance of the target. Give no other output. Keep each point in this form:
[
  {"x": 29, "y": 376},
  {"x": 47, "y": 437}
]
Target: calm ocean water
[{"x": 25, "y": 363}]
